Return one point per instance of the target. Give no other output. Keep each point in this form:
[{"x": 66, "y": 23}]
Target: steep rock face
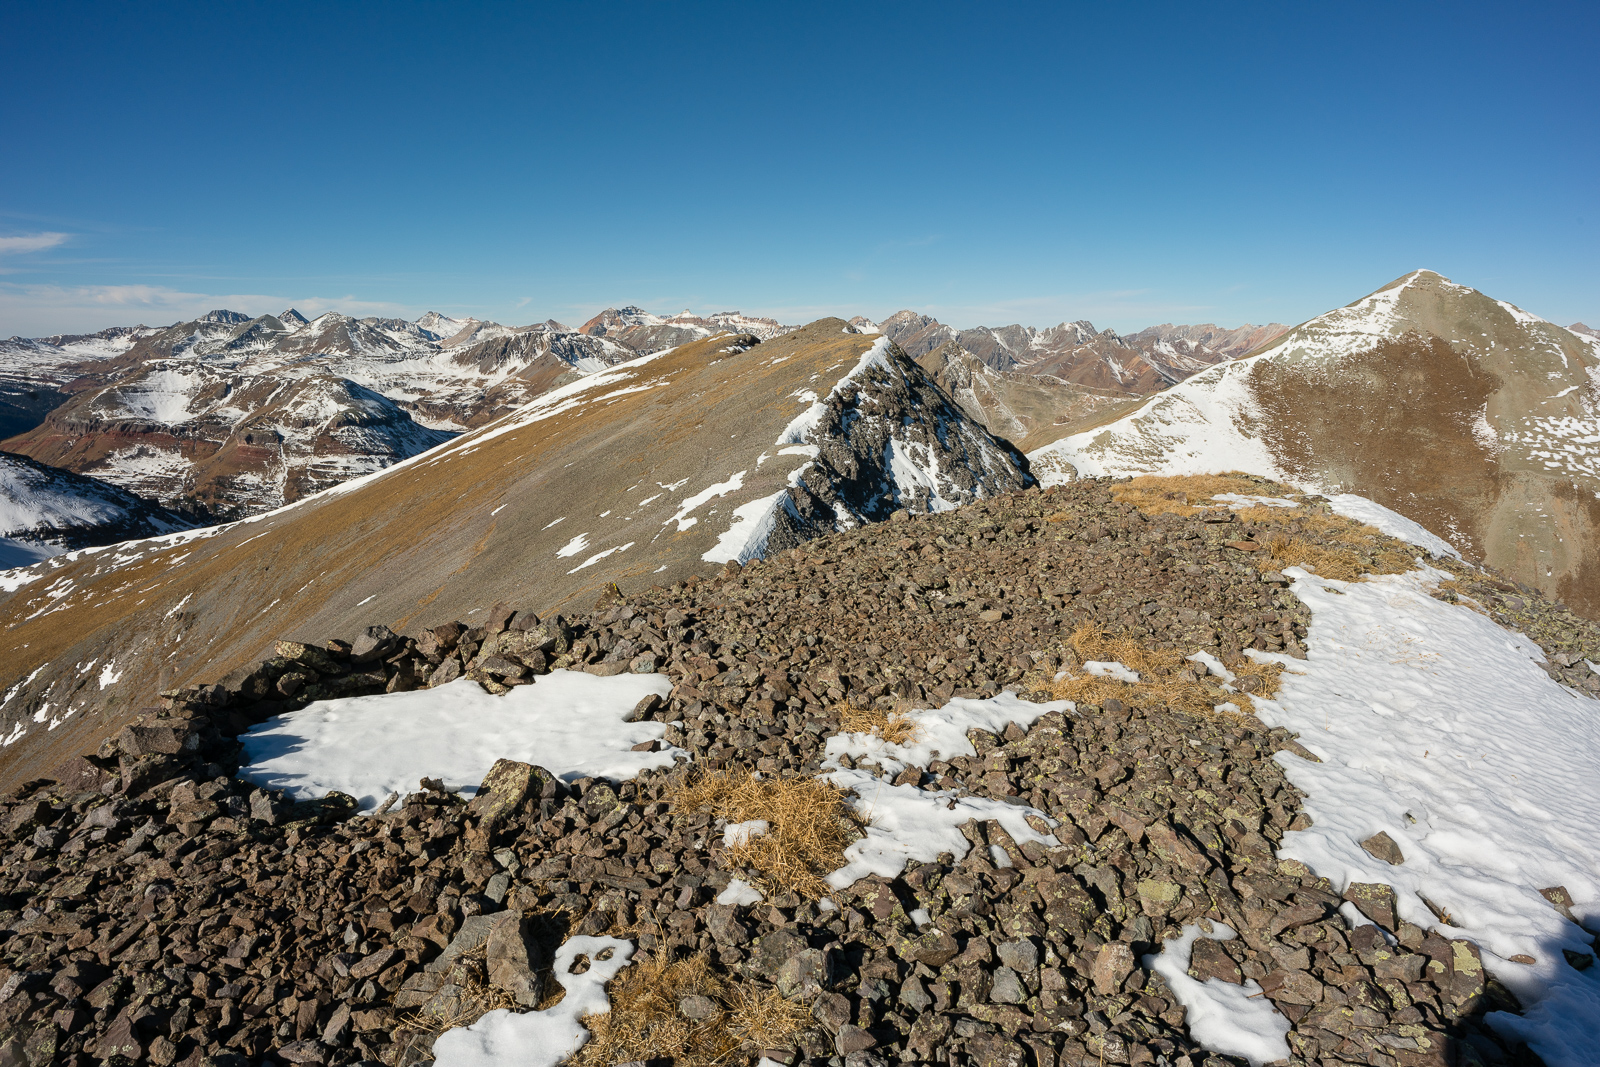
[
  {"x": 647, "y": 472},
  {"x": 1470, "y": 415},
  {"x": 45, "y": 511}
]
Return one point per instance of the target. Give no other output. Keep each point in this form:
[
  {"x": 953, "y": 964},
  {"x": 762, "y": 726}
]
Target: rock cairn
[{"x": 156, "y": 908}]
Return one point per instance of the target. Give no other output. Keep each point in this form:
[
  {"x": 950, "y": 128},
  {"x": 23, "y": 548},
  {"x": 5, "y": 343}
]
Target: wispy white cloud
[{"x": 32, "y": 242}]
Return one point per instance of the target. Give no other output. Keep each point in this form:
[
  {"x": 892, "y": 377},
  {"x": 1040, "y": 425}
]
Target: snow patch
[
  {"x": 1438, "y": 727},
  {"x": 572, "y": 547},
  {"x": 568, "y": 722},
  {"x": 941, "y": 733},
  {"x": 1235, "y": 1020},
  {"x": 740, "y": 891},
  {"x": 541, "y": 1038},
  {"x": 1392, "y": 523},
  {"x": 908, "y": 823}
]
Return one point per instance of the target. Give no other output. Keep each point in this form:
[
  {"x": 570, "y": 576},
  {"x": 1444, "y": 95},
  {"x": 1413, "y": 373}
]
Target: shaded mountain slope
[
  {"x": 648, "y": 472},
  {"x": 45, "y": 511},
  {"x": 1472, "y": 416}
]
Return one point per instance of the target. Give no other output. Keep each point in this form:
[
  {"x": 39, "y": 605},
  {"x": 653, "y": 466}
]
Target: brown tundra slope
[
  {"x": 644, "y": 473},
  {"x": 1465, "y": 413}
]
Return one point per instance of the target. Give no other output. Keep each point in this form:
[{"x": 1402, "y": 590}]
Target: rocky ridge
[
  {"x": 651, "y": 470},
  {"x": 159, "y": 909}
]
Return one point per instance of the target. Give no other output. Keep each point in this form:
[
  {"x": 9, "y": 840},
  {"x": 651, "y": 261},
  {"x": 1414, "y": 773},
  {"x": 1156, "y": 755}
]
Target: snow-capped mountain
[
  {"x": 45, "y": 511},
  {"x": 1076, "y": 353},
  {"x": 245, "y": 414},
  {"x": 644, "y": 333},
  {"x": 1468, "y": 414},
  {"x": 646, "y": 472},
  {"x": 196, "y": 432}
]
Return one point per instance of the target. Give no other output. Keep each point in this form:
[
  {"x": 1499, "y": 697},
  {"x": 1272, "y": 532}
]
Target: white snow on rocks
[
  {"x": 905, "y": 822},
  {"x": 908, "y": 823},
  {"x": 1438, "y": 727},
  {"x": 568, "y": 722},
  {"x": 1235, "y": 1020},
  {"x": 541, "y": 1038},
  {"x": 1110, "y": 668},
  {"x": 941, "y": 732},
  {"x": 1392, "y": 523},
  {"x": 739, "y": 891}
]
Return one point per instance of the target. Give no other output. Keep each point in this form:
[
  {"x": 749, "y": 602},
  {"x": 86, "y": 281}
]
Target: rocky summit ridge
[
  {"x": 157, "y": 908},
  {"x": 656, "y": 469}
]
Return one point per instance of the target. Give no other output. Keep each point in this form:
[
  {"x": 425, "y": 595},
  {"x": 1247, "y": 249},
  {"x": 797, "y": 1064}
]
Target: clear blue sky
[{"x": 984, "y": 163}]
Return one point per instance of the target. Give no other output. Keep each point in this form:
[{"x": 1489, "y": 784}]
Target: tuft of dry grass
[
  {"x": 645, "y": 1021},
  {"x": 1369, "y": 552},
  {"x": 1330, "y": 545},
  {"x": 1166, "y": 678},
  {"x": 477, "y": 999},
  {"x": 809, "y": 823},
  {"x": 895, "y": 727},
  {"x": 1189, "y": 494}
]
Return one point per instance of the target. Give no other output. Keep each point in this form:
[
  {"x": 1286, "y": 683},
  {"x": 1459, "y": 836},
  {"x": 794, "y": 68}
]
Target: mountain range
[
  {"x": 1472, "y": 416},
  {"x": 229, "y": 415},
  {"x": 1141, "y": 680}
]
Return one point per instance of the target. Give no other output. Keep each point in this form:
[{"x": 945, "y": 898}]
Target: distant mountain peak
[
  {"x": 224, "y": 317},
  {"x": 292, "y": 319}
]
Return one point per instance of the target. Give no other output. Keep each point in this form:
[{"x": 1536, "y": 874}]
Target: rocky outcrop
[{"x": 154, "y": 907}]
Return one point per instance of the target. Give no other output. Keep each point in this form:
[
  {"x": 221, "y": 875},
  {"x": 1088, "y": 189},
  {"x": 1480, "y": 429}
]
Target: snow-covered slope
[
  {"x": 1470, "y": 415},
  {"x": 648, "y": 471},
  {"x": 45, "y": 511}
]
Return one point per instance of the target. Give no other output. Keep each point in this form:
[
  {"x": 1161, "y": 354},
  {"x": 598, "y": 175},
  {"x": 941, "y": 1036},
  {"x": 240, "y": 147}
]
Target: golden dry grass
[
  {"x": 1166, "y": 678},
  {"x": 478, "y": 998},
  {"x": 809, "y": 823},
  {"x": 645, "y": 1022},
  {"x": 1330, "y": 545},
  {"x": 1189, "y": 494},
  {"x": 895, "y": 727}
]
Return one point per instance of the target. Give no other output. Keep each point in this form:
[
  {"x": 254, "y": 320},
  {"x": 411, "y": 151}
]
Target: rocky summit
[{"x": 160, "y": 908}]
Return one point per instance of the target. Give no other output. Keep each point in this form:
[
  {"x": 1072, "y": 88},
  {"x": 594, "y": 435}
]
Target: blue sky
[{"x": 1129, "y": 164}]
